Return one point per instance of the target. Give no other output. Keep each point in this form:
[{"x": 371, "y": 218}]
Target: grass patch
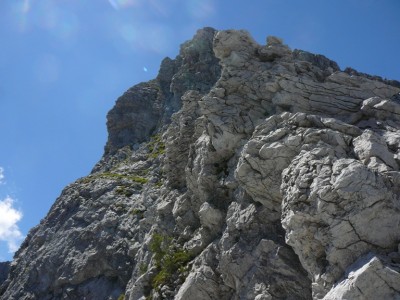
[
  {"x": 86, "y": 180},
  {"x": 158, "y": 184},
  {"x": 156, "y": 146},
  {"x": 116, "y": 176},
  {"x": 138, "y": 179},
  {"x": 123, "y": 190},
  {"x": 137, "y": 212}
]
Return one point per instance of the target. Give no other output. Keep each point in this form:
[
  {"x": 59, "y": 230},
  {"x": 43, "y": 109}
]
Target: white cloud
[{"x": 9, "y": 231}]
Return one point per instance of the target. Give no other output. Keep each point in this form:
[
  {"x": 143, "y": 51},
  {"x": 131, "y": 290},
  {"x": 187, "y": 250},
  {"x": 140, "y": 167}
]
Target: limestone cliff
[{"x": 243, "y": 171}]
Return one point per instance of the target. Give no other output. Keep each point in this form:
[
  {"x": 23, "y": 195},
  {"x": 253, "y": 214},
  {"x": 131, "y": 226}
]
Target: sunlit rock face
[{"x": 243, "y": 171}]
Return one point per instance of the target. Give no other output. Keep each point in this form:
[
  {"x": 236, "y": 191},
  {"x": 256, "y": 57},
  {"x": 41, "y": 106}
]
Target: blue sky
[{"x": 63, "y": 63}]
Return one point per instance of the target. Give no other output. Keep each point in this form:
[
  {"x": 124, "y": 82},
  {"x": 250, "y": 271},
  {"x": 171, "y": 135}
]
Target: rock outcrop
[{"x": 243, "y": 171}]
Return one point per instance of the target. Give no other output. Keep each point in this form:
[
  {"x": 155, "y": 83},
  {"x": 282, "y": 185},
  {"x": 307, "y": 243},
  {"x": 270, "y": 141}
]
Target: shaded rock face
[
  {"x": 243, "y": 171},
  {"x": 4, "y": 269},
  {"x": 146, "y": 107}
]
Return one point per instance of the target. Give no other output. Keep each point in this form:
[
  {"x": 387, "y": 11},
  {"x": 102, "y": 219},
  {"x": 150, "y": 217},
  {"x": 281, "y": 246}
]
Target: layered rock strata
[{"x": 243, "y": 171}]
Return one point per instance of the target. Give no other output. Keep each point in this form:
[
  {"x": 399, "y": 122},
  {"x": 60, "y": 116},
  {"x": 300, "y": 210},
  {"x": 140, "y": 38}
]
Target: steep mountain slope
[{"x": 243, "y": 171}]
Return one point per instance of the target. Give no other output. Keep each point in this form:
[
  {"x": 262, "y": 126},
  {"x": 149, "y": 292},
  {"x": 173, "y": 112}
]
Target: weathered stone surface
[
  {"x": 323, "y": 63},
  {"x": 368, "y": 278},
  {"x": 243, "y": 171},
  {"x": 371, "y": 149},
  {"x": 381, "y": 109},
  {"x": 336, "y": 215}
]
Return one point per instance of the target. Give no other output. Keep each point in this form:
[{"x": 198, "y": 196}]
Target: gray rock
[
  {"x": 381, "y": 109},
  {"x": 371, "y": 149},
  {"x": 141, "y": 109},
  {"x": 318, "y": 60},
  {"x": 243, "y": 171},
  {"x": 369, "y": 278},
  {"x": 354, "y": 72},
  {"x": 140, "y": 106},
  {"x": 4, "y": 269}
]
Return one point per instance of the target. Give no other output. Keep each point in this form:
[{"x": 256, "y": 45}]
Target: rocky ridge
[{"x": 243, "y": 171}]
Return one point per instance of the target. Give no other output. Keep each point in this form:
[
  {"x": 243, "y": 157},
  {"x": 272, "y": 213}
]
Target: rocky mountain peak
[
  {"x": 242, "y": 171},
  {"x": 150, "y": 105}
]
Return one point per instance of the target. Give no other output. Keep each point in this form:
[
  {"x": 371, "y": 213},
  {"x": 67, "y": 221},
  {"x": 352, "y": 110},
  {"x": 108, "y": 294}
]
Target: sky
[{"x": 63, "y": 64}]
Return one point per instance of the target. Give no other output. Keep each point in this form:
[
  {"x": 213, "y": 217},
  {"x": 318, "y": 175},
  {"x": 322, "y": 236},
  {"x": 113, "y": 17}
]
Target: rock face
[
  {"x": 4, "y": 269},
  {"x": 243, "y": 171}
]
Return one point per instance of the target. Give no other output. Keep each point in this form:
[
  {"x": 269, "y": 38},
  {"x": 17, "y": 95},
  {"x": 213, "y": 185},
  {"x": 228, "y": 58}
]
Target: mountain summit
[{"x": 243, "y": 171}]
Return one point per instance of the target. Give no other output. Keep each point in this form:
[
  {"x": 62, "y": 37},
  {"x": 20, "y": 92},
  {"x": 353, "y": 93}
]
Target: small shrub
[
  {"x": 161, "y": 278},
  {"x": 181, "y": 257},
  {"x": 156, "y": 246},
  {"x": 170, "y": 261}
]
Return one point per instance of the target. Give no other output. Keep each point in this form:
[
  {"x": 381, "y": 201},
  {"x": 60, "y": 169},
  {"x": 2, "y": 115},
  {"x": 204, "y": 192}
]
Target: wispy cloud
[
  {"x": 1, "y": 175},
  {"x": 118, "y": 4},
  {"x": 200, "y": 9},
  {"x": 26, "y": 6},
  {"x": 9, "y": 231}
]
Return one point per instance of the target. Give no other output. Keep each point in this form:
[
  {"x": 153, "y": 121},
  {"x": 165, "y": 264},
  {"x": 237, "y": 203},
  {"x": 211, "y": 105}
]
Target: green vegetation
[
  {"x": 143, "y": 172},
  {"x": 143, "y": 268},
  {"x": 120, "y": 207},
  {"x": 137, "y": 212},
  {"x": 135, "y": 178},
  {"x": 86, "y": 179},
  {"x": 158, "y": 184},
  {"x": 157, "y": 247},
  {"x": 171, "y": 261},
  {"x": 121, "y": 297},
  {"x": 156, "y": 146},
  {"x": 123, "y": 190}
]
